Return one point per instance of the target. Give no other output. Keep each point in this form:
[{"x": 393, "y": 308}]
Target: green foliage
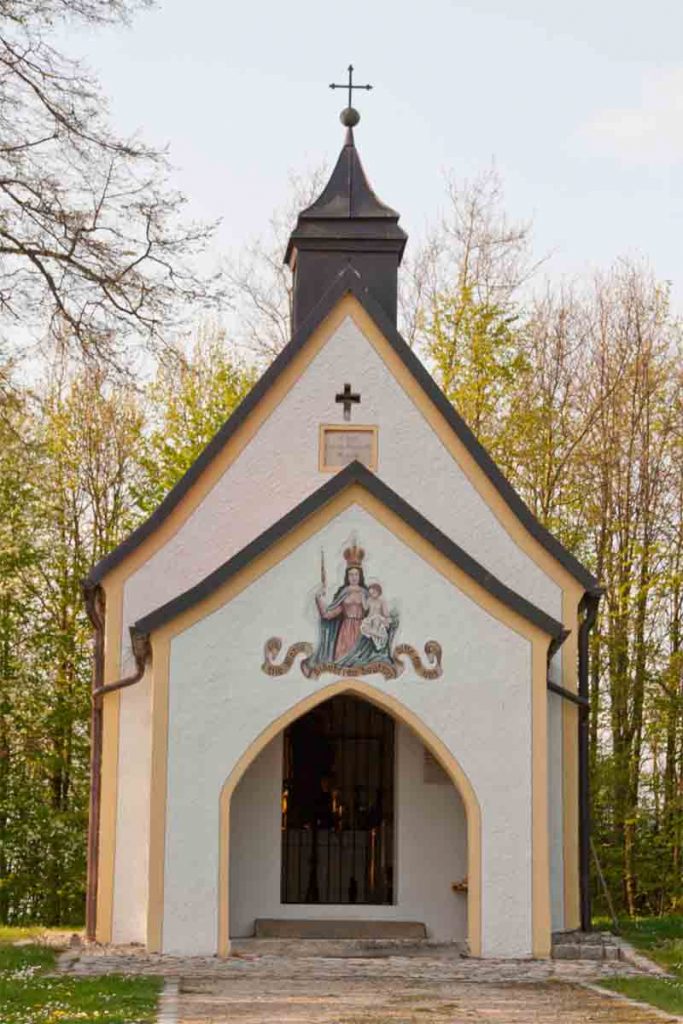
[
  {"x": 189, "y": 401},
  {"x": 67, "y": 458},
  {"x": 579, "y": 397},
  {"x": 665, "y": 993},
  {"x": 661, "y": 939},
  {"x": 28, "y": 995},
  {"x": 80, "y": 465},
  {"x": 477, "y": 359},
  {"x": 15, "y": 958}
]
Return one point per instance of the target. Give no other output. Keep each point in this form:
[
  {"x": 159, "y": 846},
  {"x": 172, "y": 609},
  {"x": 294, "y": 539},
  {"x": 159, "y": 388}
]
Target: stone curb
[
  {"x": 67, "y": 959},
  {"x": 168, "y": 1002},
  {"x": 631, "y": 956},
  {"x": 663, "y": 1015}
]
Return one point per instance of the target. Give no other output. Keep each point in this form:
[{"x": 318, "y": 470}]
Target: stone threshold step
[
  {"x": 346, "y": 948},
  {"x": 280, "y": 928}
]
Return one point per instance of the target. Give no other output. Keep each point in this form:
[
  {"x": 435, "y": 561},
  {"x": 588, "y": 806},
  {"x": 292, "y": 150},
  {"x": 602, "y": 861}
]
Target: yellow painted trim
[
  {"x": 162, "y": 638},
  {"x": 401, "y": 714},
  {"x": 110, "y": 766},
  {"x": 332, "y": 428},
  {"x": 347, "y": 306},
  {"x": 355, "y": 494}
]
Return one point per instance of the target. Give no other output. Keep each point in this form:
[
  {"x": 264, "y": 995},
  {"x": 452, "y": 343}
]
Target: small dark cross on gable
[
  {"x": 348, "y": 399},
  {"x": 349, "y": 85}
]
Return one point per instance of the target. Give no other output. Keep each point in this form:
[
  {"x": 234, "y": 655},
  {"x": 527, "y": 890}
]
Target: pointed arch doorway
[
  {"x": 262, "y": 761},
  {"x": 338, "y": 803}
]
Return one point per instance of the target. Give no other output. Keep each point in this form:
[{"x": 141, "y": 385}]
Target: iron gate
[{"x": 338, "y": 805}]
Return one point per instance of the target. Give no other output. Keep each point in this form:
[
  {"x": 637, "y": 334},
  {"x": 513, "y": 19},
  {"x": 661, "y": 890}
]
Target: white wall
[
  {"x": 280, "y": 467},
  {"x": 430, "y": 853},
  {"x": 277, "y": 470},
  {"x": 131, "y": 864},
  {"x": 220, "y": 702}
]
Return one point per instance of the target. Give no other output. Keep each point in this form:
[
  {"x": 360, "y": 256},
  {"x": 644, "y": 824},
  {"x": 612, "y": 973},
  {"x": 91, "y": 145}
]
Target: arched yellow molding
[{"x": 435, "y": 746}]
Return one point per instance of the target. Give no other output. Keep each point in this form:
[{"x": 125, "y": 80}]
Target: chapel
[{"x": 341, "y": 672}]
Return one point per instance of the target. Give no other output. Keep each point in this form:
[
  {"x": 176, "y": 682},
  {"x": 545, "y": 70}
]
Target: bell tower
[{"x": 347, "y": 224}]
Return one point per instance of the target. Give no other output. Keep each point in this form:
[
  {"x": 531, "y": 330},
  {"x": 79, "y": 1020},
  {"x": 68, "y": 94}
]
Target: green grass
[
  {"x": 30, "y": 995},
  {"x": 661, "y": 939},
  {"x": 36, "y": 932},
  {"x": 661, "y": 992}
]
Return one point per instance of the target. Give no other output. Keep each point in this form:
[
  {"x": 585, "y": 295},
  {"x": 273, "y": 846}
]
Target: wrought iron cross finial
[{"x": 349, "y": 85}]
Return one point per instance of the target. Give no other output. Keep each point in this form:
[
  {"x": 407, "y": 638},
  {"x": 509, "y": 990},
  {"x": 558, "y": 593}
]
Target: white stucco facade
[
  {"x": 279, "y": 467},
  {"x": 220, "y": 702},
  {"x": 276, "y": 470}
]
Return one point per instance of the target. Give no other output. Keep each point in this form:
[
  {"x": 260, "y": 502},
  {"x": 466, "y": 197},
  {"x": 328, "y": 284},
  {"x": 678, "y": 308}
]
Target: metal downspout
[
  {"x": 95, "y": 606},
  {"x": 589, "y": 605}
]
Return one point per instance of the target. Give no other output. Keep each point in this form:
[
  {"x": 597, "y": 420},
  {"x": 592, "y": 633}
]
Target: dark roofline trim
[
  {"x": 220, "y": 439},
  {"x": 355, "y": 473},
  {"x": 349, "y": 281},
  {"x": 476, "y": 449}
]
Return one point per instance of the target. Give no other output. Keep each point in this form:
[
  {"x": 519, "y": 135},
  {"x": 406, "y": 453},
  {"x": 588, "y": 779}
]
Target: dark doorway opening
[{"x": 338, "y": 805}]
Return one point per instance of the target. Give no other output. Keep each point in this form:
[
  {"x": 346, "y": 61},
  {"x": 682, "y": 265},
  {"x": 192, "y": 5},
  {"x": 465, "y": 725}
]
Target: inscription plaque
[{"x": 341, "y": 445}]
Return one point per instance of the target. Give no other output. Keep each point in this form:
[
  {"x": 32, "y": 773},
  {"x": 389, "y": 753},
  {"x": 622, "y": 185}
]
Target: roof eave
[
  {"x": 354, "y": 473},
  {"x": 349, "y": 282}
]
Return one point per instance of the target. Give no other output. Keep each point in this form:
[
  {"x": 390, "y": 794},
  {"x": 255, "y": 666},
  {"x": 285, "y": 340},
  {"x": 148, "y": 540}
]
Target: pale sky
[{"x": 580, "y": 104}]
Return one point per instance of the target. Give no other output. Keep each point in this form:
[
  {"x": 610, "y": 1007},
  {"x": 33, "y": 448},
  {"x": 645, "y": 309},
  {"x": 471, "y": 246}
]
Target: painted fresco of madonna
[
  {"x": 356, "y": 628},
  {"x": 356, "y": 631}
]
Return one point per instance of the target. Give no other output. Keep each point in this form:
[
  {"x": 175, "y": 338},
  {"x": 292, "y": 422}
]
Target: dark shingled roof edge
[
  {"x": 355, "y": 473},
  {"x": 349, "y": 281}
]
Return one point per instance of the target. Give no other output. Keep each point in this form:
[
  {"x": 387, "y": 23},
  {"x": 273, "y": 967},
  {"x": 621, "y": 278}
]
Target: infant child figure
[{"x": 377, "y": 619}]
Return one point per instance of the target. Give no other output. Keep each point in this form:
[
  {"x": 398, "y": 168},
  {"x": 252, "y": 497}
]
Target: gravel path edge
[
  {"x": 662, "y": 1015},
  {"x": 168, "y": 1002}
]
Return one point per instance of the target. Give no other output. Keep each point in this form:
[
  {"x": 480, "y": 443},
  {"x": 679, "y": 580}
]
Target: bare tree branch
[{"x": 93, "y": 244}]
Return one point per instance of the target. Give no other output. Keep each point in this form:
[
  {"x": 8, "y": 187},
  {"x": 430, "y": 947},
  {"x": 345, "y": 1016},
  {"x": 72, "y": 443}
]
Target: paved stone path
[
  {"x": 423, "y": 989},
  {"x": 354, "y": 1000}
]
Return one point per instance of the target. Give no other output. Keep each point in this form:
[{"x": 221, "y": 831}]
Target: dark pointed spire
[
  {"x": 347, "y": 224},
  {"x": 348, "y": 193}
]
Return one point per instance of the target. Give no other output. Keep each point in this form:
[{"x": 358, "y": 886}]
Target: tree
[
  {"x": 630, "y": 474},
  {"x": 189, "y": 400},
  {"x": 259, "y": 283},
  {"x": 478, "y": 361},
  {"x": 474, "y": 249},
  {"x": 92, "y": 248},
  {"x": 65, "y": 499}
]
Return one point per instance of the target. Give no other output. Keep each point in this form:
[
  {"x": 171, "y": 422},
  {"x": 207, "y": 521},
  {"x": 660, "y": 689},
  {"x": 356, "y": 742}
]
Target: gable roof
[
  {"x": 354, "y": 473},
  {"x": 349, "y": 282}
]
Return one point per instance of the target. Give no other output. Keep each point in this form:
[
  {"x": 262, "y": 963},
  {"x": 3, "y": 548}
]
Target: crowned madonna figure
[{"x": 343, "y": 644}]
